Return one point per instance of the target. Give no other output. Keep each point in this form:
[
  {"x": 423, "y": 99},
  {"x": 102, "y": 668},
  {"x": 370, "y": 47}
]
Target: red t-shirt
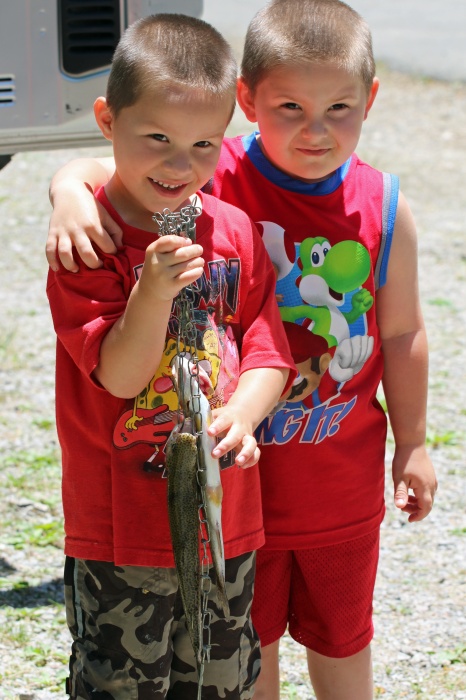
[
  {"x": 322, "y": 452},
  {"x": 115, "y": 509}
]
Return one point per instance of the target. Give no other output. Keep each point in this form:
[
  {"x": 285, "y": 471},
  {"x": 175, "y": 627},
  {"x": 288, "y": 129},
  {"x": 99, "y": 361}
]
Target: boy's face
[
  {"x": 309, "y": 116},
  {"x": 166, "y": 148}
]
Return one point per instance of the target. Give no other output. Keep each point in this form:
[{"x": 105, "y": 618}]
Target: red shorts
[{"x": 323, "y": 595}]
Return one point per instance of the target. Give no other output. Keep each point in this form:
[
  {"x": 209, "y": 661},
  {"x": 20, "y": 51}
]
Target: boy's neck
[
  {"x": 295, "y": 177},
  {"x": 287, "y": 182}
]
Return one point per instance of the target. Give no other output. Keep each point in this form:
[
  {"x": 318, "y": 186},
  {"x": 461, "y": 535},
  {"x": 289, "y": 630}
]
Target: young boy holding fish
[
  {"x": 170, "y": 96},
  {"x": 343, "y": 243}
]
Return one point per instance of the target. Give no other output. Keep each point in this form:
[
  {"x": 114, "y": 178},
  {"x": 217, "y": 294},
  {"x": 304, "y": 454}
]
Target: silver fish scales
[
  {"x": 195, "y": 404},
  {"x": 183, "y": 515}
]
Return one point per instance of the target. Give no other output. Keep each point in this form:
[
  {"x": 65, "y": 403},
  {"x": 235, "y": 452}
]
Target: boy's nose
[
  {"x": 313, "y": 127},
  {"x": 178, "y": 164}
]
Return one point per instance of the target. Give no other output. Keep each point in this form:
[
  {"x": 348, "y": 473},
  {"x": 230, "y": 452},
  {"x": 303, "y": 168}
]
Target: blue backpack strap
[{"x": 391, "y": 188}]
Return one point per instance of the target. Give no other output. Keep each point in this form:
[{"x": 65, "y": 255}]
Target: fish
[
  {"x": 194, "y": 403},
  {"x": 183, "y": 516}
]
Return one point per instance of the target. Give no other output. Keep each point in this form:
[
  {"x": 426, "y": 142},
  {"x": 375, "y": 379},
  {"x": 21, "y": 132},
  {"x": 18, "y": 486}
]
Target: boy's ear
[
  {"x": 245, "y": 100},
  {"x": 104, "y": 117},
  {"x": 372, "y": 95}
]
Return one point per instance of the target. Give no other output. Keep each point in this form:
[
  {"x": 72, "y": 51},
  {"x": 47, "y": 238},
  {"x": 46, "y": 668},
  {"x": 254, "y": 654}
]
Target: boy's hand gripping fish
[{"x": 195, "y": 405}]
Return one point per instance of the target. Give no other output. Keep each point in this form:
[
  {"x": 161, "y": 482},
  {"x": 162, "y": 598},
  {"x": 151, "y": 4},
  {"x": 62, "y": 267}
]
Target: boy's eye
[
  {"x": 338, "y": 107},
  {"x": 291, "y": 105},
  {"x": 159, "y": 137},
  {"x": 202, "y": 144}
]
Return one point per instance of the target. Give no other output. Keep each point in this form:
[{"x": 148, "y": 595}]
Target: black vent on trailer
[
  {"x": 7, "y": 90},
  {"x": 90, "y": 31}
]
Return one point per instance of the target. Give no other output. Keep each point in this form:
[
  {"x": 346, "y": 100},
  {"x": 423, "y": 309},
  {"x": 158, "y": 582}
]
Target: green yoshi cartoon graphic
[
  {"x": 328, "y": 273},
  {"x": 313, "y": 279}
]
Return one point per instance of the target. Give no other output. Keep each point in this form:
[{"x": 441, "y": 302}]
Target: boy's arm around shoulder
[
  {"x": 405, "y": 376},
  {"x": 78, "y": 219}
]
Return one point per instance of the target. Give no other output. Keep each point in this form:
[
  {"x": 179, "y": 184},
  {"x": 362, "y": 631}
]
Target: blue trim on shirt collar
[{"x": 286, "y": 182}]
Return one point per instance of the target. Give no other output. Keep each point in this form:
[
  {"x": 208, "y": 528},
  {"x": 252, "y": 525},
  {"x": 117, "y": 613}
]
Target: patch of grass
[
  {"x": 44, "y": 659},
  {"x": 436, "y": 440},
  {"x": 37, "y": 535},
  {"x": 36, "y": 476},
  {"x": 44, "y": 423},
  {"x": 456, "y": 470},
  {"x": 458, "y": 532},
  {"x": 288, "y": 691},
  {"x": 53, "y": 680},
  {"x": 20, "y": 585},
  {"x": 439, "y": 301},
  {"x": 20, "y": 621},
  {"x": 40, "y": 654},
  {"x": 8, "y": 354},
  {"x": 24, "y": 407},
  {"x": 32, "y": 460},
  {"x": 418, "y": 689},
  {"x": 401, "y": 609},
  {"x": 453, "y": 656},
  {"x": 383, "y": 403}
]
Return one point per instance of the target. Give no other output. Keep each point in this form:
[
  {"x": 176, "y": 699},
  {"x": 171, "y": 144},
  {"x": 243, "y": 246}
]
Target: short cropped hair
[
  {"x": 296, "y": 32},
  {"x": 171, "y": 51}
]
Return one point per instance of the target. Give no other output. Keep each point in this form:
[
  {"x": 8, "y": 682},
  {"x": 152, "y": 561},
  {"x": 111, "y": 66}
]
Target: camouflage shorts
[{"x": 130, "y": 639}]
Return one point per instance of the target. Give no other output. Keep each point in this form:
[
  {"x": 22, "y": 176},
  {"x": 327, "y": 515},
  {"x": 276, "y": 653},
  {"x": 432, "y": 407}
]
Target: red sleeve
[{"x": 84, "y": 306}]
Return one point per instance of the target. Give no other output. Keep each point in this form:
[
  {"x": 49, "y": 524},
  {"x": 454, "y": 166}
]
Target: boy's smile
[
  {"x": 309, "y": 116},
  {"x": 166, "y": 147}
]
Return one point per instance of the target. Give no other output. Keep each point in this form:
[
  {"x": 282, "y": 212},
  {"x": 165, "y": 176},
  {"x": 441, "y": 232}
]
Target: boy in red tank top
[{"x": 343, "y": 243}]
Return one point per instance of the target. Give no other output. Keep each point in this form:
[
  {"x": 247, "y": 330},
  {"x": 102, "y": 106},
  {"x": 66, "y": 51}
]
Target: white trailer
[{"x": 55, "y": 58}]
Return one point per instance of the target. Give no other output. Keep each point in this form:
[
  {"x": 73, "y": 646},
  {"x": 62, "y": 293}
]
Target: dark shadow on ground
[
  {"x": 25, "y": 596},
  {"x": 5, "y": 567}
]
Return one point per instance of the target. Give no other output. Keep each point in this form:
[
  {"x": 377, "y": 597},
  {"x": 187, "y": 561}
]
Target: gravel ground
[{"x": 417, "y": 130}]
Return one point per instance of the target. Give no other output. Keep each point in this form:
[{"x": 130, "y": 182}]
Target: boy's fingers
[
  {"x": 417, "y": 506},
  {"x": 84, "y": 250},
  {"x": 256, "y": 457},
  {"x": 190, "y": 253},
  {"x": 401, "y": 495},
  {"x": 417, "y": 513},
  {"x": 165, "y": 244},
  {"x": 233, "y": 439},
  {"x": 412, "y": 505},
  {"x": 51, "y": 253},
  {"x": 228, "y": 443},
  {"x": 250, "y": 453},
  {"x": 251, "y": 461},
  {"x": 218, "y": 425},
  {"x": 190, "y": 276},
  {"x": 117, "y": 237},
  {"x": 110, "y": 237},
  {"x": 425, "y": 502},
  {"x": 65, "y": 255},
  {"x": 107, "y": 242},
  {"x": 176, "y": 250}
]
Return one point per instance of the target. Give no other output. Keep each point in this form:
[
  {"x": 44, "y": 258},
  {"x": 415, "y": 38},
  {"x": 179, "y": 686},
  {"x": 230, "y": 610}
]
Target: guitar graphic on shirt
[
  {"x": 147, "y": 429},
  {"x": 151, "y": 425}
]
